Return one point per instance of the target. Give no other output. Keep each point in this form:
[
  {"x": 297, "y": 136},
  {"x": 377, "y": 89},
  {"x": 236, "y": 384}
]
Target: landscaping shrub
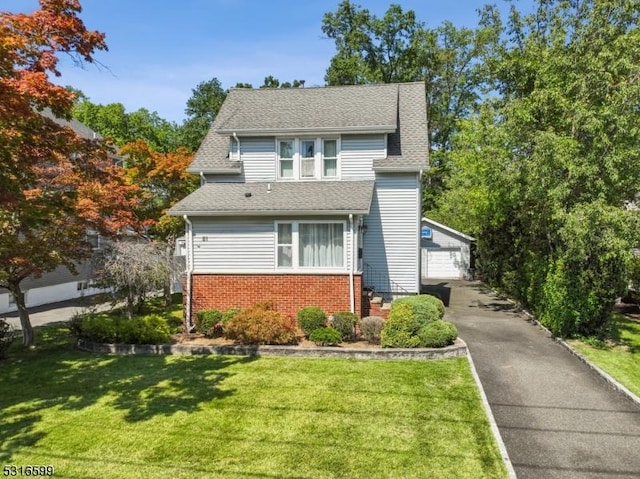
[
  {"x": 371, "y": 327},
  {"x": 310, "y": 319},
  {"x": 400, "y": 329},
  {"x": 345, "y": 322},
  {"x": 437, "y": 334},
  {"x": 260, "y": 324},
  {"x": 206, "y": 321},
  {"x": 150, "y": 329},
  {"x": 175, "y": 324},
  {"x": 326, "y": 337},
  {"x": 229, "y": 314},
  {"x": 7, "y": 336},
  {"x": 426, "y": 308}
]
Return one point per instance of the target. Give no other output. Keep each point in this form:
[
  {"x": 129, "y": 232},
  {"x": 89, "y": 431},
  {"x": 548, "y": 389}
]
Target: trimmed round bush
[
  {"x": 310, "y": 319},
  {"x": 345, "y": 322},
  {"x": 326, "y": 337},
  {"x": 371, "y": 327},
  {"x": 426, "y": 308},
  {"x": 399, "y": 330},
  {"x": 206, "y": 321},
  {"x": 260, "y": 324},
  {"x": 437, "y": 334}
]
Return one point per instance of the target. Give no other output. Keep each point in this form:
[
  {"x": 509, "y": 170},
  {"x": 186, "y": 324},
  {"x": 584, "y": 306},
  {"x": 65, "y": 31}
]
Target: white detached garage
[{"x": 446, "y": 253}]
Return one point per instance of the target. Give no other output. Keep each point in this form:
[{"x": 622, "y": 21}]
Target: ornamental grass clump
[
  {"x": 345, "y": 322},
  {"x": 310, "y": 319},
  {"x": 371, "y": 327},
  {"x": 261, "y": 324}
]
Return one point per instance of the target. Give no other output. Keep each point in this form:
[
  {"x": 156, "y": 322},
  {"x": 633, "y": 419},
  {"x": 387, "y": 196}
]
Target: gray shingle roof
[
  {"x": 396, "y": 108},
  {"x": 81, "y": 129},
  {"x": 363, "y": 107},
  {"x": 408, "y": 146},
  {"x": 285, "y": 198}
]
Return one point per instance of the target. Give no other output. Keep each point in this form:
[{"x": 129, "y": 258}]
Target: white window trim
[
  {"x": 319, "y": 158},
  {"x": 295, "y": 246}
]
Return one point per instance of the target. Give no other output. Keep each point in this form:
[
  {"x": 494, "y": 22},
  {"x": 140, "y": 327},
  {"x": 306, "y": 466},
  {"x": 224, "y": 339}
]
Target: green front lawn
[
  {"x": 620, "y": 358},
  {"x": 205, "y": 416}
]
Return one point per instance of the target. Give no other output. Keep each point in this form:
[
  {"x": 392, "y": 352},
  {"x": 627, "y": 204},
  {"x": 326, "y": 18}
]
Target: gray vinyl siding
[
  {"x": 357, "y": 155},
  {"x": 246, "y": 245},
  {"x": 228, "y": 245},
  {"x": 60, "y": 275},
  {"x": 258, "y": 156},
  {"x": 391, "y": 241}
]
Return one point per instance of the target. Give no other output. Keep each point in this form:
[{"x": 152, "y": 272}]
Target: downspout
[
  {"x": 235, "y": 137},
  {"x": 203, "y": 180},
  {"x": 420, "y": 231},
  {"x": 188, "y": 309},
  {"x": 352, "y": 296}
]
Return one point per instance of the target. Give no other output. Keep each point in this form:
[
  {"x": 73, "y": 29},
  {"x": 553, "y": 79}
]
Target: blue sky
[{"x": 159, "y": 50}]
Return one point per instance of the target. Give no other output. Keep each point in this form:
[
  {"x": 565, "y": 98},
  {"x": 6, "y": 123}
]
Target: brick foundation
[{"x": 287, "y": 292}]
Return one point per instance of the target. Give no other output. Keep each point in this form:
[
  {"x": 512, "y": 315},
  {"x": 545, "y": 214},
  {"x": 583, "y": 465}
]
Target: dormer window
[{"x": 307, "y": 158}]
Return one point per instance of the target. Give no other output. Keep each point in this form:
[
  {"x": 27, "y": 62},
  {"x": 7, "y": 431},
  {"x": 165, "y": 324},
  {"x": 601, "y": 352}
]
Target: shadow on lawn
[{"x": 56, "y": 375}]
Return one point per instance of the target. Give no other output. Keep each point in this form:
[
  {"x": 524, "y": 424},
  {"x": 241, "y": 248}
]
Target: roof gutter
[
  {"x": 325, "y": 130},
  {"x": 352, "y": 296},
  {"x": 269, "y": 213}
]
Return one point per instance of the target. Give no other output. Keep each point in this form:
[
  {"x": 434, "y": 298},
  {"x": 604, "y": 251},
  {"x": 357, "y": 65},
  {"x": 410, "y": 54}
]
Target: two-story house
[{"x": 308, "y": 197}]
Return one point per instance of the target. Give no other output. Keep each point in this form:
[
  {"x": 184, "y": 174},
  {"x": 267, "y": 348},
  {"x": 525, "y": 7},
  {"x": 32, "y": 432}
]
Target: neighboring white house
[
  {"x": 446, "y": 253},
  {"x": 309, "y": 196}
]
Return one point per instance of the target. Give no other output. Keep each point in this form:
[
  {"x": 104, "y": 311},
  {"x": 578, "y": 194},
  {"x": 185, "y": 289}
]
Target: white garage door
[{"x": 442, "y": 263}]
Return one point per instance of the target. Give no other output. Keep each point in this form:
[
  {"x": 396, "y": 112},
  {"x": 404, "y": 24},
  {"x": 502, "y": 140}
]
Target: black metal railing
[{"x": 380, "y": 282}]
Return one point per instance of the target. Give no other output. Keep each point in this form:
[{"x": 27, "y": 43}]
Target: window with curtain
[{"x": 321, "y": 245}]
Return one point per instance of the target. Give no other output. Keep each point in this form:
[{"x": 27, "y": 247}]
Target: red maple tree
[{"x": 54, "y": 184}]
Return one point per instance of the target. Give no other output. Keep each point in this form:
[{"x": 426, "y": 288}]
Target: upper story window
[{"x": 307, "y": 158}]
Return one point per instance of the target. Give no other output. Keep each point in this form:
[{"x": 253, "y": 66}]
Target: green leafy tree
[
  {"x": 202, "y": 107},
  {"x": 554, "y": 152}
]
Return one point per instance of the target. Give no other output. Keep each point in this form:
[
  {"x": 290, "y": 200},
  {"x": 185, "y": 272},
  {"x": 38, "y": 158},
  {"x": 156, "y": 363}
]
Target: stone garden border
[{"x": 459, "y": 348}]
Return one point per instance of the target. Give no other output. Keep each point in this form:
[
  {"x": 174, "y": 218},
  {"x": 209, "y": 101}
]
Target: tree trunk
[
  {"x": 167, "y": 294},
  {"x": 28, "y": 337}
]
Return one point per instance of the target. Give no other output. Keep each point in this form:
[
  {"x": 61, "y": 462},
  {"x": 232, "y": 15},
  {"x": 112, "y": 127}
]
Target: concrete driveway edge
[{"x": 492, "y": 421}]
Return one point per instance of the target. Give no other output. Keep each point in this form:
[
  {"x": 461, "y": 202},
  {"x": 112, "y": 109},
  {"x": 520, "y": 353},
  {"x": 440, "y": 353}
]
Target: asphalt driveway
[{"x": 557, "y": 418}]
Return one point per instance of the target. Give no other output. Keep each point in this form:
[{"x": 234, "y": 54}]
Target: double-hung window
[
  {"x": 286, "y": 156},
  {"x": 307, "y": 158},
  {"x": 330, "y": 158},
  {"x": 285, "y": 245},
  {"x": 311, "y": 245}
]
